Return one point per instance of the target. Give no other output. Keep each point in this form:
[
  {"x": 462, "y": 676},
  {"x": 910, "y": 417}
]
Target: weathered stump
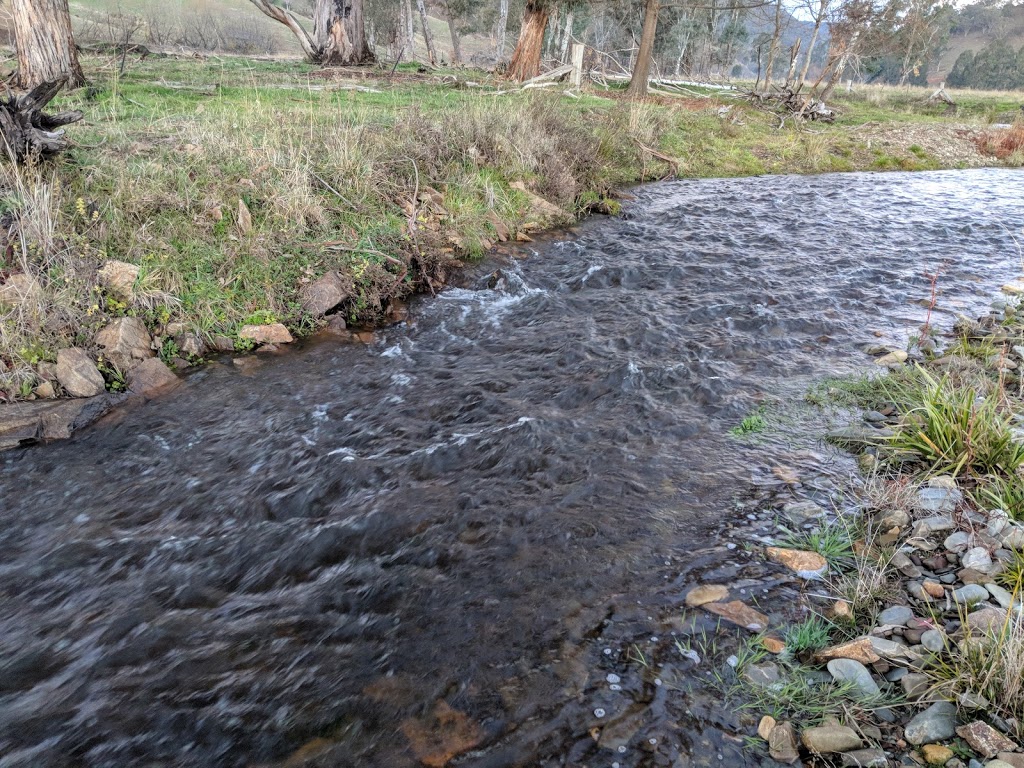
[{"x": 28, "y": 134}]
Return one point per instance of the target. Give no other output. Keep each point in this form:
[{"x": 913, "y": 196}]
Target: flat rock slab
[
  {"x": 740, "y": 614},
  {"x": 23, "y": 423},
  {"x": 706, "y": 593},
  {"x": 806, "y": 565}
]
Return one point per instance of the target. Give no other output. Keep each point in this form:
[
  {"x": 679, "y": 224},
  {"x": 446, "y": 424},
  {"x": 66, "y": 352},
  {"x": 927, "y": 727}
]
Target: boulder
[
  {"x": 271, "y": 333},
  {"x": 118, "y": 278},
  {"x": 78, "y": 374},
  {"x": 325, "y": 294},
  {"x": 125, "y": 342},
  {"x": 150, "y": 376}
]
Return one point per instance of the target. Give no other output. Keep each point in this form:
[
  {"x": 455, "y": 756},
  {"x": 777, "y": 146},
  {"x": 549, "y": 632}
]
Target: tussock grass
[
  {"x": 991, "y": 666},
  {"x": 957, "y": 431}
]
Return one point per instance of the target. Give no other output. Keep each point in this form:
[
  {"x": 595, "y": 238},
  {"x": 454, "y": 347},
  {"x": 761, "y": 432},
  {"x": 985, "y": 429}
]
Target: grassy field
[{"x": 233, "y": 183}]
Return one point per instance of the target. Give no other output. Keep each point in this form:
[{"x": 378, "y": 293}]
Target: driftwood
[
  {"x": 29, "y": 135},
  {"x": 790, "y": 102}
]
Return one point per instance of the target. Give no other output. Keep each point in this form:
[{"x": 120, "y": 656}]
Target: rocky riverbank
[{"x": 908, "y": 645}]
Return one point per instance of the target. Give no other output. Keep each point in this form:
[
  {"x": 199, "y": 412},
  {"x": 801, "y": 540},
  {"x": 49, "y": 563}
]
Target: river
[{"x": 361, "y": 553}]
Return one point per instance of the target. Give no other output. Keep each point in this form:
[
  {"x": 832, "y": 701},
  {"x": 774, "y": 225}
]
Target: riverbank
[
  {"x": 909, "y": 649},
  {"x": 227, "y": 204}
]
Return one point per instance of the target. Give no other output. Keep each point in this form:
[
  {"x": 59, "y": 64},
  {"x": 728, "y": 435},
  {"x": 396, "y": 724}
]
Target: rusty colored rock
[
  {"x": 272, "y": 333},
  {"x": 441, "y": 736},
  {"x": 766, "y": 726},
  {"x": 807, "y": 565},
  {"x": 706, "y": 593},
  {"x": 740, "y": 614},
  {"x": 984, "y": 739},
  {"x": 859, "y": 650}
]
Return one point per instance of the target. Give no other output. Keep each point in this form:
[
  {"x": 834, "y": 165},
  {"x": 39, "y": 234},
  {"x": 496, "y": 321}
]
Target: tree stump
[{"x": 29, "y": 135}]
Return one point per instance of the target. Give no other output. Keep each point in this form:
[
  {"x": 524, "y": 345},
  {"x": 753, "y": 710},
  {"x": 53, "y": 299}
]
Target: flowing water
[{"x": 372, "y": 553}]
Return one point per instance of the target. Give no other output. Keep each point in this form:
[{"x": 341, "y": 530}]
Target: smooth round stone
[
  {"x": 897, "y": 615},
  {"x": 933, "y": 640},
  {"x": 848, "y": 670},
  {"x": 970, "y": 594}
]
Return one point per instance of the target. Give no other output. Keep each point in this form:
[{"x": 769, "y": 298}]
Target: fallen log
[{"x": 28, "y": 134}]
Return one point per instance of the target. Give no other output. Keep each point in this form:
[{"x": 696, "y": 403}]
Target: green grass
[
  {"x": 751, "y": 424},
  {"x": 812, "y": 634},
  {"x": 329, "y": 175},
  {"x": 833, "y": 541},
  {"x": 955, "y": 431}
]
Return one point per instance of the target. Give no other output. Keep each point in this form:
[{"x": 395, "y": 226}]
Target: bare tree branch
[{"x": 288, "y": 19}]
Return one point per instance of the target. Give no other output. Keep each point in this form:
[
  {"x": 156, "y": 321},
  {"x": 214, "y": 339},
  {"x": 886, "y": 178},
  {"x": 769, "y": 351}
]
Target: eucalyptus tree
[
  {"x": 45, "y": 43},
  {"x": 339, "y": 31}
]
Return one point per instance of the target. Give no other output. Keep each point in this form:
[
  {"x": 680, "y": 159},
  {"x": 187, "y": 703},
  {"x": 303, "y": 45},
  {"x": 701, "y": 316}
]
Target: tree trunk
[
  {"x": 794, "y": 55},
  {"x": 46, "y": 46},
  {"x": 642, "y": 71},
  {"x": 810, "y": 50},
  {"x": 502, "y": 28},
  {"x": 427, "y": 37},
  {"x": 773, "y": 49},
  {"x": 563, "y": 54},
  {"x": 456, "y": 45},
  {"x": 526, "y": 58},
  {"x": 339, "y": 31},
  {"x": 410, "y": 30}
]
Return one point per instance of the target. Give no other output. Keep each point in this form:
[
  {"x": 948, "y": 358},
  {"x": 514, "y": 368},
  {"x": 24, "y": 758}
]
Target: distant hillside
[{"x": 977, "y": 26}]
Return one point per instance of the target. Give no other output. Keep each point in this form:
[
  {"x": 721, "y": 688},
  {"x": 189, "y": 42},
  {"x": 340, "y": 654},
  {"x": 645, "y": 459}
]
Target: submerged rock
[
  {"x": 806, "y": 565},
  {"x": 740, "y": 614},
  {"x": 706, "y": 593}
]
